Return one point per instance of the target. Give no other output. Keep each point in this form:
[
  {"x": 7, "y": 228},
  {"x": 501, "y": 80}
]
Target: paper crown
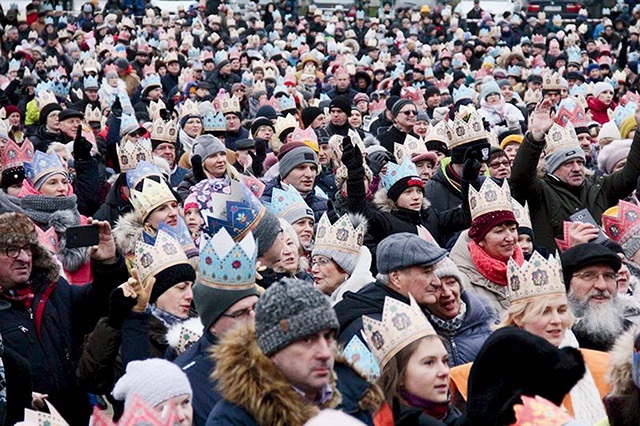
[
  {"x": 142, "y": 170},
  {"x": 401, "y": 325},
  {"x": 92, "y": 115},
  {"x": 90, "y": 82},
  {"x": 412, "y": 146},
  {"x": 151, "y": 81},
  {"x": 41, "y": 164},
  {"x": 621, "y": 223},
  {"x": 181, "y": 233},
  {"x": 361, "y": 359},
  {"x": 132, "y": 153},
  {"x": 539, "y": 411},
  {"x": 571, "y": 111},
  {"x": 491, "y": 197},
  {"x": 214, "y": 122},
  {"x": 154, "y": 109},
  {"x": 464, "y": 92},
  {"x": 189, "y": 107},
  {"x": 536, "y": 277},
  {"x": 439, "y": 133},
  {"x": 45, "y": 97},
  {"x": 137, "y": 413},
  {"x": 559, "y": 137},
  {"x": 307, "y": 136},
  {"x": 283, "y": 202},
  {"x": 286, "y": 103},
  {"x": 396, "y": 172},
  {"x": 566, "y": 243},
  {"x": 14, "y": 155},
  {"x": 551, "y": 81},
  {"x": 466, "y": 127},
  {"x": 152, "y": 195},
  {"x": 340, "y": 236},
  {"x": 282, "y": 123},
  {"x": 227, "y": 265},
  {"x": 229, "y": 104},
  {"x": 164, "y": 131},
  {"x": 621, "y": 113},
  {"x": 533, "y": 96},
  {"x": 630, "y": 97},
  {"x": 155, "y": 254},
  {"x": 48, "y": 239},
  {"x": 522, "y": 214}
]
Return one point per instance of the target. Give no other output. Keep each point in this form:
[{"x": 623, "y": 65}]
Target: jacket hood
[
  {"x": 127, "y": 231},
  {"x": 385, "y": 204},
  {"x": 247, "y": 378},
  {"x": 360, "y": 277},
  {"x": 620, "y": 366}
]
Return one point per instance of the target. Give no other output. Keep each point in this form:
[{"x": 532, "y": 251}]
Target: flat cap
[{"x": 403, "y": 250}]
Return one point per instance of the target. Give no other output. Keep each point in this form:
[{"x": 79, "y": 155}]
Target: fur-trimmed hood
[
  {"x": 620, "y": 368},
  {"x": 385, "y": 204},
  {"x": 247, "y": 378},
  {"x": 127, "y": 231}
]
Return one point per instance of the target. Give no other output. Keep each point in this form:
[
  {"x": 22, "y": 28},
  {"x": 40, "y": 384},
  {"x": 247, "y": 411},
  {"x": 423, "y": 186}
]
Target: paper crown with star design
[
  {"x": 535, "y": 278},
  {"x": 181, "y": 233},
  {"x": 155, "y": 254},
  {"x": 164, "y": 131},
  {"x": 400, "y": 326},
  {"x": 188, "y": 108},
  {"x": 214, "y": 122},
  {"x": 152, "y": 195},
  {"x": 92, "y": 115},
  {"x": 491, "y": 198},
  {"x": 289, "y": 204},
  {"x": 411, "y": 147},
  {"x": 143, "y": 169},
  {"x": 14, "y": 155},
  {"x": 45, "y": 97},
  {"x": 362, "y": 359},
  {"x": 465, "y": 128},
  {"x": 226, "y": 264},
  {"x": 42, "y": 164},
  {"x": 131, "y": 153},
  {"x": 522, "y": 214},
  {"x": 622, "y": 223},
  {"x": 396, "y": 172},
  {"x": 438, "y": 132},
  {"x": 229, "y": 104}
]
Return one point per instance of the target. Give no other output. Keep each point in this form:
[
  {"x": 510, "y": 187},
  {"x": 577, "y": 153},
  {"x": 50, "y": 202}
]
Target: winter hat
[
  {"x": 400, "y": 103},
  {"x": 191, "y": 202},
  {"x": 561, "y": 147},
  {"x": 609, "y": 130},
  {"x": 600, "y": 87},
  {"x": 425, "y": 156},
  {"x": 612, "y": 153},
  {"x": 309, "y": 114},
  {"x": 267, "y": 111},
  {"x": 207, "y": 145},
  {"x": 16, "y": 230},
  {"x": 156, "y": 380},
  {"x": 360, "y": 97},
  {"x": 266, "y": 232},
  {"x": 10, "y": 109},
  {"x": 391, "y": 100},
  {"x": 403, "y": 250},
  {"x": 167, "y": 278},
  {"x": 446, "y": 268},
  {"x": 70, "y": 113},
  {"x": 341, "y": 102},
  {"x": 489, "y": 88},
  {"x": 289, "y": 310},
  {"x": 402, "y": 184},
  {"x": 46, "y": 110},
  {"x": 294, "y": 154},
  {"x": 626, "y": 127},
  {"x": 584, "y": 255},
  {"x": 259, "y": 122}
]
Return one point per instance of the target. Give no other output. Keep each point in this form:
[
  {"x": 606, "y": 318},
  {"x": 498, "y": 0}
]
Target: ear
[{"x": 518, "y": 321}]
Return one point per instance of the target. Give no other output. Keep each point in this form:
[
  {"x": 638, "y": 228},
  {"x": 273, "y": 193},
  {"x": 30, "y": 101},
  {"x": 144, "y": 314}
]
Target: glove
[
  {"x": 116, "y": 108},
  {"x": 119, "y": 308},
  {"x": 471, "y": 165},
  {"x": 351, "y": 155},
  {"x": 377, "y": 161},
  {"x": 81, "y": 147},
  {"x": 196, "y": 166}
]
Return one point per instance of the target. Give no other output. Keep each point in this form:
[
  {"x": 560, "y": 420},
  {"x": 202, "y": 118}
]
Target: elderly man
[
  {"x": 565, "y": 189},
  {"x": 590, "y": 274},
  {"x": 44, "y": 318},
  {"x": 406, "y": 265}
]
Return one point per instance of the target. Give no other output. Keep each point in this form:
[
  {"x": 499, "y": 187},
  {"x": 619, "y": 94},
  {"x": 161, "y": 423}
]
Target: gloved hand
[
  {"x": 81, "y": 146},
  {"x": 116, "y": 108},
  {"x": 198, "y": 170},
  {"x": 351, "y": 155},
  {"x": 471, "y": 165},
  {"x": 377, "y": 161},
  {"x": 119, "y": 308}
]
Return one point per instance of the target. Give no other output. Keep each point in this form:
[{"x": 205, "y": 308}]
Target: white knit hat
[
  {"x": 446, "y": 268},
  {"x": 609, "y": 130}
]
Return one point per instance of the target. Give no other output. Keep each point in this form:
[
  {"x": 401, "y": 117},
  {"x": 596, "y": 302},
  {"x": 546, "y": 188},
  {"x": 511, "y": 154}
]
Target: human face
[
  {"x": 500, "y": 241},
  {"x": 419, "y": 281},
  {"x": 327, "y": 274},
  {"x": 307, "y": 363},
  {"x": 342, "y": 81},
  {"x": 289, "y": 257},
  {"x": 406, "y": 117},
  {"x": 624, "y": 275},
  {"x": 302, "y": 177},
  {"x": 167, "y": 212},
  {"x": 525, "y": 243},
  {"x": 500, "y": 167},
  {"x": 320, "y": 121},
  {"x": 177, "y": 299},
  {"x": 193, "y": 127},
  {"x": 553, "y": 96},
  {"x": 433, "y": 101},
  {"x": 511, "y": 150},
  {"x": 325, "y": 154},
  {"x": 155, "y": 94},
  {"x": 411, "y": 198},
  {"x": 355, "y": 119},
  {"x": 242, "y": 310},
  {"x": 427, "y": 371},
  {"x": 15, "y": 271},
  {"x": 304, "y": 229},
  {"x": 606, "y": 97},
  {"x": 182, "y": 409},
  {"x": 493, "y": 99},
  {"x": 233, "y": 122},
  {"x": 594, "y": 284},
  {"x": 55, "y": 186},
  {"x": 585, "y": 143},
  {"x": 571, "y": 172},
  {"x": 507, "y": 92},
  {"x": 173, "y": 67},
  {"x": 447, "y": 304},
  {"x": 554, "y": 321},
  {"x": 70, "y": 126},
  {"x": 264, "y": 132},
  {"x": 193, "y": 220},
  {"x": 425, "y": 170},
  {"x": 14, "y": 189},
  {"x": 338, "y": 117},
  {"x": 420, "y": 128},
  {"x": 216, "y": 164},
  {"x": 166, "y": 151}
]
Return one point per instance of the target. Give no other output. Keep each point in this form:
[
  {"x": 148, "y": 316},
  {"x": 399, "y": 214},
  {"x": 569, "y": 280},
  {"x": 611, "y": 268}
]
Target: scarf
[
  {"x": 40, "y": 208},
  {"x": 452, "y": 177},
  {"x": 453, "y": 325},
  {"x": 492, "y": 269},
  {"x": 186, "y": 140},
  {"x": 23, "y": 294},
  {"x": 437, "y": 410},
  {"x": 169, "y": 320},
  {"x": 499, "y": 109}
]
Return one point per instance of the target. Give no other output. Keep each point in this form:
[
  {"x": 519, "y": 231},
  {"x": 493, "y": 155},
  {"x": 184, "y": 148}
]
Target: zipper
[{"x": 24, "y": 329}]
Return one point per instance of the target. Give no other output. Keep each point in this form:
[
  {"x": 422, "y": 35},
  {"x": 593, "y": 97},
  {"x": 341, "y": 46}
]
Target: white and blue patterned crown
[
  {"x": 90, "y": 82},
  {"x": 286, "y": 103},
  {"x": 227, "y": 265},
  {"x": 151, "y": 80},
  {"x": 128, "y": 123},
  {"x": 283, "y": 202},
  {"x": 574, "y": 55},
  {"x": 43, "y": 86},
  {"x": 396, "y": 172},
  {"x": 142, "y": 170},
  {"x": 621, "y": 113},
  {"x": 215, "y": 122},
  {"x": 60, "y": 88},
  {"x": 220, "y": 56},
  {"x": 514, "y": 71},
  {"x": 193, "y": 52},
  {"x": 14, "y": 65},
  {"x": 362, "y": 359},
  {"x": 180, "y": 233},
  {"x": 464, "y": 92},
  {"x": 41, "y": 165},
  {"x": 578, "y": 90},
  {"x": 612, "y": 81}
]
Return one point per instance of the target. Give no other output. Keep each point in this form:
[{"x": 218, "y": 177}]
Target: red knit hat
[
  {"x": 10, "y": 109},
  {"x": 483, "y": 224}
]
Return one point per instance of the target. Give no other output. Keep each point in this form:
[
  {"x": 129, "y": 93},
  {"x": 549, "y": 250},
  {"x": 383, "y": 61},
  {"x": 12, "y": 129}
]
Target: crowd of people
[{"x": 270, "y": 214}]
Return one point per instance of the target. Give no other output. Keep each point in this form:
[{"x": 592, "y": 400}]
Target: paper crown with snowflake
[
  {"x": 361, "y": 359},
  {"x": 143, "y": 169},
  {"x": 181, "y": 233}
]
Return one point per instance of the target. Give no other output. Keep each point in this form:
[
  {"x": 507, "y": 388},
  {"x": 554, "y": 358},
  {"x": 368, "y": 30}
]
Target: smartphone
[
  {"x": 585, "y": 216},
  {"x": 82, "y": 236}
]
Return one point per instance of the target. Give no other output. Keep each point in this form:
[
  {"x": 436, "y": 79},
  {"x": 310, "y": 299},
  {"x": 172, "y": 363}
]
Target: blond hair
[{"x": 527, "y": 310}]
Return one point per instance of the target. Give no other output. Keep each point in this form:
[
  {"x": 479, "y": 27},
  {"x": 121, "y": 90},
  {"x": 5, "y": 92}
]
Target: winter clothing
[
  {"x": 317, "y": 203},
  {"x": 360, "y": 277},
  {"x": 405, "y": 250},
  {"x": 294, "y": 154},
  {"x": 393, "y": 135},
  {"x": 623, "y": 401},
  {"x": 583, "y": 255}
]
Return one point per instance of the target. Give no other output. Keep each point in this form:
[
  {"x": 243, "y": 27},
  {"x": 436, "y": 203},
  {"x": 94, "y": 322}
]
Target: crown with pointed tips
[
  {"x": 90, "y": 82},
  {"x": 361, "y": 359},
  {"x": 92, "y": 115},
  {"x": 439, "y": 132},
  {"x": 533, "y": 96},
  {"x": 412, "y": 146},
  {"x": 621, "y": 113},
  {"x": 630, "y": 97},
  {"x": 51, "y": 61},
  {"x": 181, "y": 233},
  {"x": 619, "y": 76},
  {"x": 152, "y": 195},
  {"x": 283, "y": 123},
  {"x": 522, "y": 214},
  {"x": 132, "y": 153},
  {"x": 109, "y": 69},
  {"x": 151, "y": 81},
  {"x": 229, "y": 104},
  {"x": 227, "y": 264},
  {"x": 189, "y": 107},
  {"x": 538, "y": 39},
  {"x": 464, "y": 92},
  {"x": 621, "y": 223},
  {"x": 559, "y": 137},
  {"x": 396, "y": 172},
  {"x": 60, "y": 88},
  {"x": 157, "y": 254},
  {"x": 42, "y": 164},
  {"x": 14, "y": 155},
  {"x": 307, "y": 136},
  {"x": 272, "y": 102},
  {"x": 165, "y": 131},
  {"x": 258, "y": 86},
  {"x": 142, "y": 170},
  {"x": 571, "y": 111},
  {"x": 269, "y": 74},
  {"x": 214, "y": 122},
  {"x": 45, "y": 97},
  {"x": 287, "y": 103},
  {"x": 154, "y": 109},
  {"x": 491, "y": 198},
  {"x": 340, "y": 236},
  {"x": 613, "y": 82},
  {"x": 466, "y": 127},
  {"x": 551, "y": 81},
  {"x": 536, "y": 277},
  {"x": 289, "y": 204},
  {"x": 401, "y": 325},
  {"x": 48, "y": 239}
]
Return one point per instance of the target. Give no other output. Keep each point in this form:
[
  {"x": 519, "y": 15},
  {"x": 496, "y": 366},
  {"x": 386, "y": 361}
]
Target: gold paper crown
[
  {"x": 258, "y": 86},
  {"x": 92, "y": 115},
  {"x": 559, "y": 137},
  {"x": 283, "y": 123},
  {"x": 412, "y": 146},
  {"x": 522, "y": 214},
  {"x": 131, "y": 153},
  {"x": 230, "y": 104},
  {"x": 189, "y": 107},
  {"x": 45, "y": 98},
  {"x": 154, "y": 109},
  {"x": 165, "y": 252},
  {"x": 401, "y": 325},
  {"x": 491, "y": 197},
  {"x": 466, "y": 127},
  {"x": 532, "y": 96},
  {"x": 438, "y": 133},
  {"x": 153, "y": 195},
  {"x": 535, "y": 278},
  {"x": 551, "y": 81},
  {"x": 166, "y": 131},
  {"x": 340, "y": 236}
]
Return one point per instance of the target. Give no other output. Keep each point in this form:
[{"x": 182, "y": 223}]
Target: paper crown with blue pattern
[
  {"x": 286, "y": 103},
  {"x": 361, "y": 359},
  {"x": 396, "y": 172},
  {"x": 60, "y": 88},
  {"x": 514, "y": 71},
  {"x": 152, "y": 196},
  {"x": 227, "y": 264},
  {"x": 574, "y": 55},
  {"x": 153, "y": 255},
  {"x": 234, "y": 208},
  {"x": 90, "y": 82},
  {"x": 181, "y": 233},
  {"x": 131, "y": 153},
  {"x": 128, "y": 124},
  {"x": 621, "y": 113},
  {"x": 464, "y": 92},
  {"x": 289, "y": 205},
  {"x": 142, "y": 170},
  {"x": 41, "y": 165},
  {"x": 151, "y": 81},
  {"x": 214, "y": 122}
]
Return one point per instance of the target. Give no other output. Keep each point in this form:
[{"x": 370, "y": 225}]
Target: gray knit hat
[
  {"x": 398, "y": 105},
  {"x": 447, "y": 268},
  {"x": 563, "y": 154},
  {"x": 207, "y": 145},
  {"x": 294, "y": 154},
  {"x": 266, "y": 232},
  {"x": 155, "y": 380},
  {"x": 211, "y": 302},
  {"x": 289, "y": 310}
]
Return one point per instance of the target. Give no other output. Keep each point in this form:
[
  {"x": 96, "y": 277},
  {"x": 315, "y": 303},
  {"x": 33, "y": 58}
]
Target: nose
[
  {"x": 325, "y": 348},
  {"x": 181, "y": 412},
  {"x": 189, "y": 294},
  {"x": 600, "y": 283},
  {"x": 315, "y": 268},
  {"x": 23, "y": 256},
  {"x": 555, "y": 317},
  {"x": 173, "y": 211}
]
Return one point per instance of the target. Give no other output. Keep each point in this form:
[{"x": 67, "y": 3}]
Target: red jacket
[{"x": 599, "y": 111}]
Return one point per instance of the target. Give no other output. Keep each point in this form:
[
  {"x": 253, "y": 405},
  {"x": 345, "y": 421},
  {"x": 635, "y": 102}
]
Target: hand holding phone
[{"x": 82, "y": 236}]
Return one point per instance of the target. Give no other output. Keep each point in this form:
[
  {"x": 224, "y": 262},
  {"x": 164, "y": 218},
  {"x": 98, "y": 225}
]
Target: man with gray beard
[{"x": 590, "y": 274}]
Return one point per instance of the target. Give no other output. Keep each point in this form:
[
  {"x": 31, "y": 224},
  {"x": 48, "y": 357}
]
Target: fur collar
[
  {"x": 247, "y": 378},
  {"x": 127, "y": 231},
  {"x": 385, "y": 204},
  {"x": 620, "y": 368}
]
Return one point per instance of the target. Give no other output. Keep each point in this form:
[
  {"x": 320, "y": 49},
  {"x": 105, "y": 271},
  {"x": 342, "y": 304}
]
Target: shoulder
[{"x": 226, "y": 413}]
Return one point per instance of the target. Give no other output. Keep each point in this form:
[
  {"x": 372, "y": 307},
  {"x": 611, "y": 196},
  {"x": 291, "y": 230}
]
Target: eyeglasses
[
  {"x": 410, "y": 112},
  {"x": 241, "y": 314},
  {"x": 321, "y": 261},
  {"x": 497, "y": 164},
  {"x": 590, "y": 276},
  {"x": 14, "y": 251}
]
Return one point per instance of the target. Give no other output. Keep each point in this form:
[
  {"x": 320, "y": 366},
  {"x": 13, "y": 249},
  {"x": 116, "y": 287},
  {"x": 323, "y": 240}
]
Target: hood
[
  {"x": 247, "y": 378},
  {"x": 385, "y": 204},
  {"x": 620, "y": 368},
  {"x": 127, "y": 231},
  {"x": 369, "y": 300},
  {"x": 360, "y": 277}
]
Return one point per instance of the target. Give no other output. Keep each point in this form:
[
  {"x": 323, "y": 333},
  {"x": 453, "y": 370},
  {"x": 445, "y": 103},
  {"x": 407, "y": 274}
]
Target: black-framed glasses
[
  {"x": 244, "y": 313},
  {"x": 410, "y": 112},
  {"x": 14, "y": 251},
  {"x": 497, "y": 164}
]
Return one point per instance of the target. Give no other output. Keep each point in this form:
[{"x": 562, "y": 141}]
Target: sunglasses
[{"x": 410, "y": 112}]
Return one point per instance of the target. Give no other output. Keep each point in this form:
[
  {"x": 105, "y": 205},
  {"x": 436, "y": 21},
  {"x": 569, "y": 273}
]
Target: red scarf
[
  {"x": 492, "y": 269},
  {"x": 22, "y": 294}
]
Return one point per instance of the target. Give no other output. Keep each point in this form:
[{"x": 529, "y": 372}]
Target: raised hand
[
  {"x": 105, "y": 251},
  {"x": 351, "y": 155},
  {"x": 542, "y": 119},
  {"x": 142, "y": 290}
]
